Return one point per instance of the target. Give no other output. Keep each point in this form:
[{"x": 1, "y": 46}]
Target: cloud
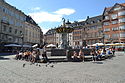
[
  {"x": 65, "y": 11},
  {"x": 36, "y": 8},
  {"x": 40, "y": 17},
  {"x": 56, "y": 16}
]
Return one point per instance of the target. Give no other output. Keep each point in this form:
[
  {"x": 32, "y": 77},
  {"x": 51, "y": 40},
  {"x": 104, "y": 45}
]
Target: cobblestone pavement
[{"x": 107, "y": 71}]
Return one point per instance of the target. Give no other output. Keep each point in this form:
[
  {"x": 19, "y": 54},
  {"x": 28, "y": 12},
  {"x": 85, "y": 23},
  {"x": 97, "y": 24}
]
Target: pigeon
[
  {"x": 30, "y": 63},
  {"x": 24, "y": 65},
  {"x": 46, "y": 65},
  {"x": 39, "y": 65},
  {"x": 52, "y": 66}
]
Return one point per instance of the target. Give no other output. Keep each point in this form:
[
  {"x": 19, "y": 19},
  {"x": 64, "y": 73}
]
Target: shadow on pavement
[
  {"x": 58, "y": 60},
  {"x": 2, "y": 58},
  {"x": 97, "y": 62},
  {"x": 6, "y": 54}
]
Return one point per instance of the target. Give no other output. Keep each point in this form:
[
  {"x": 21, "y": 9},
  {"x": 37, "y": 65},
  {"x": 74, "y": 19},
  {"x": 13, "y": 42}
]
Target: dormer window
[
  {"x": 106, "y": 17},
  {"x": 117, "y": 8},
  {"x": 114, "y": 16}
]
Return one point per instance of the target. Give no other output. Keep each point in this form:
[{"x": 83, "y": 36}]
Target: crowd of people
[
  {"x": 97, "y": 54},
  {"x": 32, "y": 56},
  {"x": 39, "y": 55}
]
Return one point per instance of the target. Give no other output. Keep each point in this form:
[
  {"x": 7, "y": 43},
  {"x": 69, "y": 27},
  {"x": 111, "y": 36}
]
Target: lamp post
[
  {"x": 103, "y": 38},
  {"x": 22, "y": 37}
]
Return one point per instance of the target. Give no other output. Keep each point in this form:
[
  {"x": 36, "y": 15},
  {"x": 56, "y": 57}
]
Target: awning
[{"x": 12, "y": 45}]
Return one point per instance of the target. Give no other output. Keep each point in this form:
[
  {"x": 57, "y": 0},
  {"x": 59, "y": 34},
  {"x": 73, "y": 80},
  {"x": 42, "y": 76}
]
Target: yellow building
[
  {"x": 12, "y": 23},
  {"x": 32, "y": 32}
]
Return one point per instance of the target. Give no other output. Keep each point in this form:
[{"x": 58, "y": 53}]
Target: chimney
[{"x": 87, "y": 17}]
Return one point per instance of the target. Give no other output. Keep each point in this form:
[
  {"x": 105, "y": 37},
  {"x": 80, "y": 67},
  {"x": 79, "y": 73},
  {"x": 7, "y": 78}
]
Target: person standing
[{"x": 93, "y": 53}]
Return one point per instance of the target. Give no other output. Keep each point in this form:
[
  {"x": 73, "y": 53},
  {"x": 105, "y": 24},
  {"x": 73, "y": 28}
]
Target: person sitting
[
  {"x": 33, "y": 56},
  {"x": 98, "y": 55},
  {"x": 19, "y": 56},
  {"x": 81, "y": 55},
  {"x": 75, "y": 57}
]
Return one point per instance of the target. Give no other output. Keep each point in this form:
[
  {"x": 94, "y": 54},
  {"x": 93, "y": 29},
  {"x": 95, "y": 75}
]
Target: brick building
[{"x": 114, "y": 23}]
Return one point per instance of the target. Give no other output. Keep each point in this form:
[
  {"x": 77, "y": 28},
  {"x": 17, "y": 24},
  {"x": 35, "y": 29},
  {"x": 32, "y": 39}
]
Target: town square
[{"x": 62, "y": 41}]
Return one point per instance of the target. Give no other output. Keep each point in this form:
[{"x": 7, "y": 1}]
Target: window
[
  {"x": 10, "y": 29},
  {"x": 11, "y": 21},
  {"x": 122, "y": 27},
  {"x": 99, "y": 27},
  {"x": 121, "y": 13},
  {"x": 115, "y": 28},
  {"x": 121, "y": 20},
  {"x": 107, "y": 29},
  {"x": 93, "y": 27},
  {"x": 115, "y": 35},
  {"x": 106, "y": 36},
  {"x": 114, "y": 16},
  {"x": 4, "y": 28},
  {"x": 98, "y": 20},
  {"x": 15, "y": 31},
  {"x": 118, "y": 8},
  {"x": 20, "y": 32},
  {"x": 5, "y": 19},
  {"x": 114, "y": 22},
  {"x": 106, "y": 23},
  {"x": 3, "y": 9},
  {"x": 106, "y": 17},
  {"x": 122, "y": 34},
  {"x": 0, "y": 7}
]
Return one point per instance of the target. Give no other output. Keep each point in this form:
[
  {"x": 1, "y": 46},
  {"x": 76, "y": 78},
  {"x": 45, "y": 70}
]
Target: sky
[{"x": 49, "y": 13}]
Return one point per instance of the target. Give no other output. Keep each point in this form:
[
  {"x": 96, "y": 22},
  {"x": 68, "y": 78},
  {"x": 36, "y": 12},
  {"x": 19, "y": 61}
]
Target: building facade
[
  {"x": 94, "y": 30},
  {"x": 32, "y": 32},
  {"x": 114, "y": 23},
  {"x": 12, "y": 23},
  {"x": 88, "y": 32},
  {"x": 50, "y": 37},
  {"x": 13, "y": 27}
]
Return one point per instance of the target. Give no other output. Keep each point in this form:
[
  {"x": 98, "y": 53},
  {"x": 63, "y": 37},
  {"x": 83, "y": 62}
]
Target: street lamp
[
  {"x": 22, "y": 37},
  {"x": 103, "y": 38}
]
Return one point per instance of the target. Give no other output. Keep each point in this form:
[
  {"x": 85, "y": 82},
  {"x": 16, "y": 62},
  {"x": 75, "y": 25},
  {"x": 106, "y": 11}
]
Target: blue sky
[{"x": 48, "y": 13}]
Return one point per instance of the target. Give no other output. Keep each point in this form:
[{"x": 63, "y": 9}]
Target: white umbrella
[
  {"x": 99, "y": 44},
  {"x": 35, "y": 45},
  {"x": 51, "y": 45}
]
